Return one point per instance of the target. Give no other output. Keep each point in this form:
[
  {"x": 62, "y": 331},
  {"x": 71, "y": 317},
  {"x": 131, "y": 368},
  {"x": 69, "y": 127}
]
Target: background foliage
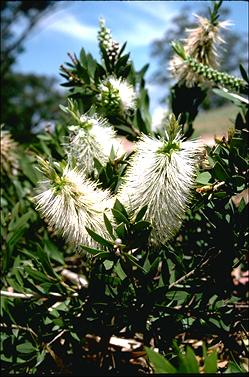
[{"x": 66, "y": 312}]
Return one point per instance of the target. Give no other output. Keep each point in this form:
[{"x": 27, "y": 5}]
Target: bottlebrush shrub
[{"x": 152, "y": 236}]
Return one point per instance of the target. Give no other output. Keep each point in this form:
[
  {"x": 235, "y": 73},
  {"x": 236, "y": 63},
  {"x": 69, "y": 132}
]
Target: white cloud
[
  {"x": 68, "y": 24},
  {"x": 145, "y": 22},
  {"x": 141, "y": 33},
  {"x": 162, "y": 11}
]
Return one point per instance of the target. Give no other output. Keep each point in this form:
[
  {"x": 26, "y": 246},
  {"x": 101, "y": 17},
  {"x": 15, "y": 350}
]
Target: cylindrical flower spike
[
  {"x": 161, "y": 176},
  {"x": 116, "y": 94},
  {"x": 219, "y": 78},
  {"x": 202, "y": 45},
  {"x": 208, "y": 74},
  {"x": 91, "y": 138},
  {"x": 106, "y": 42},
  {"x": 69, "y": 202},
  {"x": 8, "y": 156}
]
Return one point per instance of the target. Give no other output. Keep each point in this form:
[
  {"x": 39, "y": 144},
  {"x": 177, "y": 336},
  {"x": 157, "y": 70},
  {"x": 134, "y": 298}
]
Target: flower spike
[
  {"x": 161, "y": 176},
  {"x": 69, "y": 203}
]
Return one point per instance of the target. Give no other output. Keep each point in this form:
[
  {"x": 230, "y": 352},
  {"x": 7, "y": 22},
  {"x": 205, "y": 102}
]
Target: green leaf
[
  {"x": 52, "y": 250},
  {"x": 165, "y": 274},
  {"x": 122, "y": 49},
  {"x": 75, "y": 336},
  {"x": 21, "y": 221},
  {"x": 141, "y": 123},
  {"x": 141, "y": 214},
  {"x": 99, "y": 72},
  {"x": 127, "y": 130},
  {"x": 38, "y": 276},
  {"x": 210, "y": 362},
  {"x": 28, "y": 169},
  {"x": 203, "y": 178},
  {"x": 83, "y": 58},
  {"x": 141, "y": 225},
  {"x": 119, "y": 217},
  {"x": 188, "y": 362},
  {"x": 109, "y": 226},
  {"x": 122, "y": 61},
  {"x": 143, "y": 70},
  {"x": 221, "y": 194},
  {"x": 26, "y": 347},
  {"x": 14, "y": 237},
  {"x": 238, "y": 180},
  {"x": 243, "y": 73},
  {"x": 91, "y": 65},
  {"x": 99, "y": 239},
  {"x": 91, "y": 250},
  {"x": 177, "y": 295},
  {"x": 236, "y": 99},
  {"x": 153, "y": 268},
  {"x": 98, "y": 165},
  {"x": 242, "y": 205},
  {"x": 119, "y": 271},
  {"x": 121, "y": 230},
  {"x": 108, "y": 264},
  {"x": 119, "y": 207},
  {"x": 160, "y": 364},
  {"x": 220, "y": 172},
  {"x": 40, "y": 357},
  {"x": 83, "y": 74},
  {"x": 46, "y": 264},
  {"x": 235, "y": 368},
  {"x": 134, "y": 261}
]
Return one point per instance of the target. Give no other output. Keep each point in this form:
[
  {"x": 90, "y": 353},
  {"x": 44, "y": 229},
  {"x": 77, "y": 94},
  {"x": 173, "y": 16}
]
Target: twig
[
  {"x": 192, "y": 272},
  {"x": 31, "y": 295},
  {"x": 75, "y": 278},
  {"x": 18, "y": 327},
  {"x": 56, "y": 337},
  {"x": 17, "y": 295}
]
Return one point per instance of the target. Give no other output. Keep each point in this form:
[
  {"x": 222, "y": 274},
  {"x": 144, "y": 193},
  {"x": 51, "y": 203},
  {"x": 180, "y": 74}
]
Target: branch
[
  {"x": 192, "y": 272},
  {"x": 75, "y": 278},
  {"x": 17, "y": 295},
  {"x": 18, "y": 327},
  {"x": 56, "y": 337},
  {"x": 31, "y": 295}
]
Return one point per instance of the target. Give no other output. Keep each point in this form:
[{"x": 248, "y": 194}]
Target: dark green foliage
[{"x": 29, "y": 105}]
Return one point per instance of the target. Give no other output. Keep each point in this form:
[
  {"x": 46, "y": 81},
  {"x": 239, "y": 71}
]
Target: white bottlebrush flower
[
  {"x": 69, "y": 202},
  {"x": 116, "y": 94},
  {"x": 161, "y": 176},
  {"x": 202, "y": 45},
  {"x": 91, "y": 138},
  {"x": 8, "y": 155}
]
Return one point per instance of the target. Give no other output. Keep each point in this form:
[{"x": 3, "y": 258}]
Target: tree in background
[
  {"x": 27, "y": 98},
  {"x": 229, "y": 58}
]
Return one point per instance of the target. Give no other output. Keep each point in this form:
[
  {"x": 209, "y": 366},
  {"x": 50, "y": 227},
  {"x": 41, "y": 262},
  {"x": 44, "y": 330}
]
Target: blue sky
[{"x": 74, "y": 24}]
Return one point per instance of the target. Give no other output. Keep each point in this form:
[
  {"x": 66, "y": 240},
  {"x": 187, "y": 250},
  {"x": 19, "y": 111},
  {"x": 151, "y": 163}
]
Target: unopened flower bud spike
[
  {"x": 209, "y": 74},
  {"x": 106, "y": 43}
]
